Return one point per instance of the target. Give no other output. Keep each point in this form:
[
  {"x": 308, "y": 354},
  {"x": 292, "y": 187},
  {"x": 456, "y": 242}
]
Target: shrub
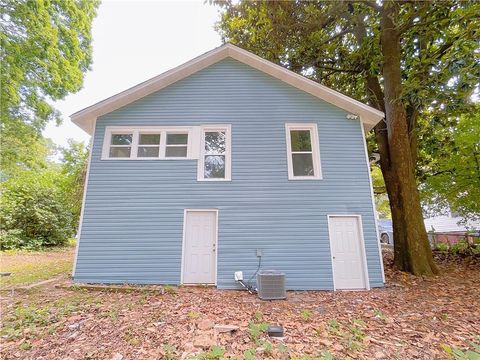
[
  {"x": 459, "y": 247},
  {"x": 34, "y": 211},
  {"x": 463, "y": 247},
  {"x": 442, "y": 247}
]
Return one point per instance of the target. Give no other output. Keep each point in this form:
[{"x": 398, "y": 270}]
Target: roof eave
[{"x": 85, "y": 118}]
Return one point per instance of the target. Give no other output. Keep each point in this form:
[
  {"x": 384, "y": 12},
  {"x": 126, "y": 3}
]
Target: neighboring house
[
  {"x": 446, "y": 228},
  {"x": 450, "y": 229},
  {"x": 224, "y": 161}
]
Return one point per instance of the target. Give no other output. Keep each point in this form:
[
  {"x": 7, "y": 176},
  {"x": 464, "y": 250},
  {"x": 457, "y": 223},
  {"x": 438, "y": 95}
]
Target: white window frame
[
  {"x": 136, "y": 131},
  {"x": 312, "y": 127},
  {"x": 227, "y": 128},
  {"x": 175, "y": 132},
  {"x": 120, "y": 132},
  {"x": 148, "y": 132}
]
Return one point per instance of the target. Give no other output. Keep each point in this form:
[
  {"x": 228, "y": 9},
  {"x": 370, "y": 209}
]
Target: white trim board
[
  {"x": 85, "y": 118},
  {"x": 373, "y": 204},
  {"x": 84, "y": 198},
  {"x": 362, "y": 244}
]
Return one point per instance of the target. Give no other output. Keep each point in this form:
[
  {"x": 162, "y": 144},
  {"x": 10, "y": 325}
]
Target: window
[
  {"x": 215, "y": 157},
  {"x": 177, "y": 145},
  {"x": 147, "y": 143},
  {"x": 303, "y": 152},
  {"x": 120, "y": 145}
]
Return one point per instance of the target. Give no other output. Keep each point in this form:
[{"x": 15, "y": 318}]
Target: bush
[
  {"x": 34, "y": 211},
  {"x": 460, "y": 247},
  {"x": 442, "y": 247}
]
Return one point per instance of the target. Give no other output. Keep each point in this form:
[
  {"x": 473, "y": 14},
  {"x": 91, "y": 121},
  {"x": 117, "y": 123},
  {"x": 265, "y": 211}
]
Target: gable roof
[{"x": 85, "y": 118}]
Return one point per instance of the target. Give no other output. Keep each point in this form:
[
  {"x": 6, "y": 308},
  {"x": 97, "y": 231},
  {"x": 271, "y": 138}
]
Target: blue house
[{"x": 220, "y": 164}]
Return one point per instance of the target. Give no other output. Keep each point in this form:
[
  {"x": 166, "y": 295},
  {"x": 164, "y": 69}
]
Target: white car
[{"x": 385, "y": 230}]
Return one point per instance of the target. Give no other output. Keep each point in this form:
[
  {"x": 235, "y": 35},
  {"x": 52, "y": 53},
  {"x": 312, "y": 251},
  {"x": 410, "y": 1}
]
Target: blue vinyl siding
[{"x": 133, "y": 220}]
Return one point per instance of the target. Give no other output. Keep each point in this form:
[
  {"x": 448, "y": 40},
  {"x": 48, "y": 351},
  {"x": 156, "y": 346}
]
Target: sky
[{"x": 132, "y": 42}]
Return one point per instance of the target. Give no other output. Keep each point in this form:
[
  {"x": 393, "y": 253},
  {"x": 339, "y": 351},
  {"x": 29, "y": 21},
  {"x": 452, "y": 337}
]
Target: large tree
[
  {"x": 402, "y": 57},
  {"x": 45, "y": 51}
]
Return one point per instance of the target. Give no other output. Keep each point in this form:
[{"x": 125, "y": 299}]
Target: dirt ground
[{"x": 410, "y": 318}]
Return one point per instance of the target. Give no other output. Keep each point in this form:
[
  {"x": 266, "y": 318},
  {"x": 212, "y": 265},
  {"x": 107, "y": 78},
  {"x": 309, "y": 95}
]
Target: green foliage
[
  {"x": 282, "y": 348},
  {"x": 355, "y": 337},
  {"x": 463, "y": 247},
  {"x": 326, "y": 355},
  {"x": 170, "y": 351},
  {"x": 382, "y": 204},
  {"x": 25, "y": 317},
  {"x": 338, "y": 44},
  {"x": 193, "y": 315},
  {"x": 380, "y": 315},
  {"x": 306, "y": 314},
  {"x": 258, "y": 316},
  {"x": 22, "y": 148},
  {"x": 352, "y": 334},
  {"x": 216, "y": 352},
  {"x": 333, "y": 326},
  {"x": 442, "y": 247},
  {"x": 250, "y": 354},
  {"x": 74, "y": 168},
  {"x": 267, "y": 347},
  {"x": 26, "y": 345},
  {"x": 256, "y": 330},
  {"x": 169, "y": 289},
  {"x": 452, "y": 167},
  {"x": 45, "y": 51},
  {"x": 34, "y": 211},
  {"x": 459, "y": 354}
]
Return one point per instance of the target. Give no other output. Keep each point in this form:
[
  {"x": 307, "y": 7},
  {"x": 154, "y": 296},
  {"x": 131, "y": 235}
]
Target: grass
[{"x": 28, "y": 267}]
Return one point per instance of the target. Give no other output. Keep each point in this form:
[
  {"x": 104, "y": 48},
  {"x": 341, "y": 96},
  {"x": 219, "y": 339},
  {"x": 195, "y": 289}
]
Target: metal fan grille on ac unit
[{"x": 271, "y": 285}]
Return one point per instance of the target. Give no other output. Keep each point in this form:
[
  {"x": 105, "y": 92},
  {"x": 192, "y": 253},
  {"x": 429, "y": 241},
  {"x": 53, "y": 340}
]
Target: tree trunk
[{"x": 412, "y": 249}]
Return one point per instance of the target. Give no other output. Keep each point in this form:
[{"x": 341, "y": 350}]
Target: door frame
[
  {"x": 363, "y": 254},
  {"x": 185, "y": 212}
]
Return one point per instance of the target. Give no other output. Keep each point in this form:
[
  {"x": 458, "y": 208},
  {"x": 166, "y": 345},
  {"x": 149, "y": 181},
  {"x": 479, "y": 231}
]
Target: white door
[
  {"x": 199, "y": 253},
  {"x": 347, "y": 252}
]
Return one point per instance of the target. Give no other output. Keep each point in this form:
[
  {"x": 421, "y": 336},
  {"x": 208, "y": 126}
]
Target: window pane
[
  {"x": 148, "y": 151},
  {"x": 214, "y": 167},
  {"x": 215, "y": 142},
  {"x": 149, "y": 139},
  {"x": 176, "y": 151},
  {"x": 300, "y": 140},
  {"x": 303, "y": 165},
  {"x": 121, "y": 139},
  {"x": 120, "y": 152},
  {"x": 177, "y": 139}
]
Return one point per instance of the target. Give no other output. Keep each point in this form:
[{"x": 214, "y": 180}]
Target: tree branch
[
  {"x": 334, "y": 69},
  {"x": 373, "y": 5},
  {"x": 415, "y": 15}
]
